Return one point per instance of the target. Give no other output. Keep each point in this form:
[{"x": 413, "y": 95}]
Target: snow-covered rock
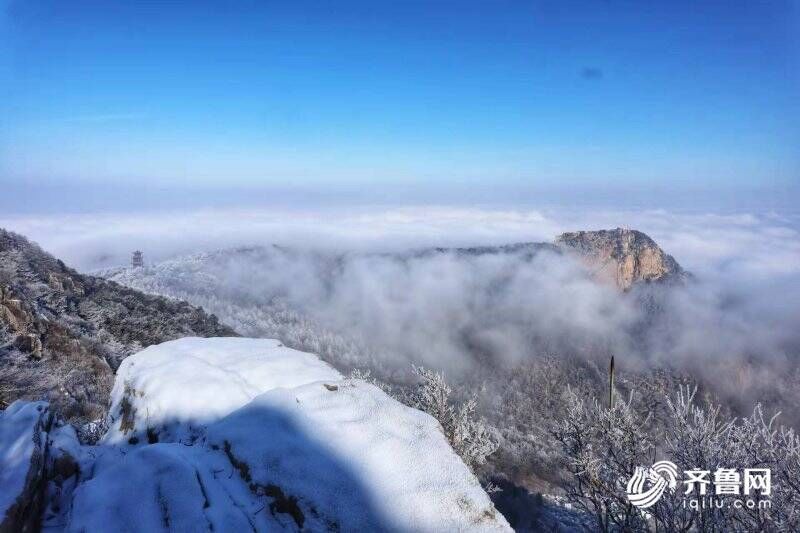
[
  {"x": 172, "y": 387},
  {"x": 23, "y": 455},
  {"x": 231, "y": 434}
]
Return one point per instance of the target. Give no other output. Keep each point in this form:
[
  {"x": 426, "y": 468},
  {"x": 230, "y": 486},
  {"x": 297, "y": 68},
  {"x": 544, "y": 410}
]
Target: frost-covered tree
[
  {"x": 468, "y": 434},
  {"x": 701, "y": 437},
  {"x": 601, "y": 448}
]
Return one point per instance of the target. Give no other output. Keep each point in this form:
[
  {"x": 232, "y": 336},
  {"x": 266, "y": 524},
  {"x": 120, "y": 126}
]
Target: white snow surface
[
  {"x": 252, "y": 435},
  {"x": 19, "y": 432},
  {"x": 191, "y": 381}
]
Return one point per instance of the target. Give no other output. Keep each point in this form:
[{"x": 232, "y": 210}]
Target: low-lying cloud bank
[
  {"x": 736, "y": 244},
  {"x": 738, "y": 325},
  {"x": 445, "y": 309}
]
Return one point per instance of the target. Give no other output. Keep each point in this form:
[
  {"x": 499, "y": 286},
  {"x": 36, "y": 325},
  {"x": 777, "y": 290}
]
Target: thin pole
[{"x": 611, "y": 384}]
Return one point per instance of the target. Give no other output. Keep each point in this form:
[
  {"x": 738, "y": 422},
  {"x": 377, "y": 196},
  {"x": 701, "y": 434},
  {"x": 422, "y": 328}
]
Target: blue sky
[{"x": 442, "y": 102}]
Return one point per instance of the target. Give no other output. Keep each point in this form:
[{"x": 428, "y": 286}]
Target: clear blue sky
[{"x": 426, "y": 100}]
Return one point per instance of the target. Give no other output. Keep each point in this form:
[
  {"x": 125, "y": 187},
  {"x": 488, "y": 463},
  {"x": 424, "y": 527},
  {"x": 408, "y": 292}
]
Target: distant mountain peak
[{"x": 622, "y": 256}]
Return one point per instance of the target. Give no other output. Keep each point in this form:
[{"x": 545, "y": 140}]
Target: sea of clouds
[
  {"x": 743, "y": 306},
  {"x": 743, "y": 244}
]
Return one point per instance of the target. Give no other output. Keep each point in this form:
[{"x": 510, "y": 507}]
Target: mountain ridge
[
  {"x": 63, "y": 333},
  {"x": 621, "y": 256}
]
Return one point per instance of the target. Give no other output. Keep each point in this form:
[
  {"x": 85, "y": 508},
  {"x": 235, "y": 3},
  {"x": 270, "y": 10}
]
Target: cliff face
[
  {"x": 622, "y": 256},
  {"x": 63, "y": 333}
]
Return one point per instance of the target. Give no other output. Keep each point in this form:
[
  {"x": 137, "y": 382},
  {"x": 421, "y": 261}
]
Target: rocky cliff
[
  {"x": 62, "y": 333},
  {"x": 619, "y": 256},
  {"x": 622, "y": 256}
]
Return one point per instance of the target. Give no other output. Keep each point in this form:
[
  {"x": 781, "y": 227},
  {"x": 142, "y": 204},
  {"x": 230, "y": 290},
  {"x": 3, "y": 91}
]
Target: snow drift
[{"x": 227, "y": 434}]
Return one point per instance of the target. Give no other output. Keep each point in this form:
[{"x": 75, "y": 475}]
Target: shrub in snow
[
  {"x": 468, "y": 434},
  {"x": 92, "y": 432},
  {"x": 366, "y": 376}
]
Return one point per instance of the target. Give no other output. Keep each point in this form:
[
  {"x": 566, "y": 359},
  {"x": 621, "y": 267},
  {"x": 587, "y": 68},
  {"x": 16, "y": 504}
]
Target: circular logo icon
[{"x": 648, "y": 484}]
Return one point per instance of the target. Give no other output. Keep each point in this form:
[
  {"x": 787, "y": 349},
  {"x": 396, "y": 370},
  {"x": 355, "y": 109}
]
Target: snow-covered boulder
[
  {"x": 166, "y": 390},
  {"x": 232, "y": 434},
  {"x": 23, "y": 455}
]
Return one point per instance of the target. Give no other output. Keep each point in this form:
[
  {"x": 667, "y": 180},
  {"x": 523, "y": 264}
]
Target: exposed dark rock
[{"x": 62, "y": 333}]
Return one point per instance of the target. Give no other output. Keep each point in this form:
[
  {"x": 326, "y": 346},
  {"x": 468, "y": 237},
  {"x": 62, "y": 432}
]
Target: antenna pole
[{"x": 611, "y": 384}]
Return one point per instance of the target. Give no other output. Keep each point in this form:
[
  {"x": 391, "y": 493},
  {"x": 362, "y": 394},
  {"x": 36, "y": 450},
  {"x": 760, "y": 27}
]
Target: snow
[
  {"x": 19, "y": 443},
  {"x": 194, "y": 380},
  {"x": 152, "y": 488},
  {"x": 253, "y": 435}
]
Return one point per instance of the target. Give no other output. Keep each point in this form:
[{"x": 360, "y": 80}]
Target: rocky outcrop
[
  {"x": 246, "y": 434},
  {"x": 39, "y": 457},
  {"x": 23, "y": 459},
  {"x": 623, "y": 257},
  {"x": 234, "y": 434},
  {"x": 63, "y": 333}
]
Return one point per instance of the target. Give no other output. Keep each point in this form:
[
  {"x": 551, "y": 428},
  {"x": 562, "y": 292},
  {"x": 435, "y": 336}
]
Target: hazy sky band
[{"x": 334, "y": 96}]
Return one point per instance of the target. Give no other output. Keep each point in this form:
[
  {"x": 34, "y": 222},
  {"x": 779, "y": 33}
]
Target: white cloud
[
  {"x": 745, "y": 305},
  {"x": 715, "y": 245}
]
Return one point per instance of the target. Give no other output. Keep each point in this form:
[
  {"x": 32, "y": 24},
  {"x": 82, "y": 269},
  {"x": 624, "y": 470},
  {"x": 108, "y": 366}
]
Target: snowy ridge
[{"x": 231, "y": 434}]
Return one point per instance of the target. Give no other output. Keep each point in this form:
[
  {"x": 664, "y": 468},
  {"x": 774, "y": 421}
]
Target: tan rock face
[
  {"x": 13, "y": 312},
  {"x": 622, "y": 257},
  {"x": 64, "y": 283}
]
